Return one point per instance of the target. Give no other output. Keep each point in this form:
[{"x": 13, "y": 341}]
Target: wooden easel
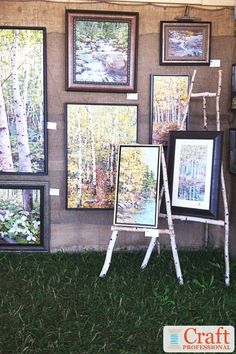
[
  {"x": 224, "y": 223},
  {"x": 153, "y": 233}
]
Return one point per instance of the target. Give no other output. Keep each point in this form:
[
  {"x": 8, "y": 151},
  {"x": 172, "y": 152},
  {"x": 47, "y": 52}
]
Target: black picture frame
[
  {"x": 24, "y": 216},
  {"x": 232, "y": 150},
  {"x": 177, "y": 47},
  {"x": 97, "y": 64},
  {"x": 194, "y": 165},
  {"x": 169, "y": 94},
  {"x": 93, "y": 134},
  {"x": 24, "y": 92},
  {"x": 137, "y": 186}
]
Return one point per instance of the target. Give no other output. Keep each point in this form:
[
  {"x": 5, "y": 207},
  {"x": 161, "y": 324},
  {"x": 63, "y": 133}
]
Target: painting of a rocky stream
[{"x": 137, "y": 186}]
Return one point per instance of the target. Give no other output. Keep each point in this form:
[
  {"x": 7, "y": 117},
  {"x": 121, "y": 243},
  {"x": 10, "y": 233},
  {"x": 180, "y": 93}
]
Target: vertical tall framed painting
[
  {"x": 101, "y": 50},
  {"x": 24, "y": 213},
  {"x": 23, "y": 100},
  {"x": 137, "y": 186},
  {"x": 93, "y": 134},
  {"x": 194, "y": 165},
  {"x": 232, "y": 150},
  {"x": 169, "y": 95}
]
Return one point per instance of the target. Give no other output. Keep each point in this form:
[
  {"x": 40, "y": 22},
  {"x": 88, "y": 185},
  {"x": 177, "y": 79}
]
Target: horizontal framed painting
[
  {"x": 194, "y": 165},
  {"x": 101, "y": 50},
  {"x": 24, "y": 214},
  {"x": 185, "y": 43},
  {"x": 169, "y": 95},
  {"x": 23, "y": 101},
  {"x": 93, "y": 134},
  {"x": 232, "y": 150},
  {"x": 137, "y": 187}
]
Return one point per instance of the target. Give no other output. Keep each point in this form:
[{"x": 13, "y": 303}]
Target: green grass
[{"x": 58, "y": 304}]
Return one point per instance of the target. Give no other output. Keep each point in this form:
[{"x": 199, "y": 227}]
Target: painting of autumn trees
[
  {"x": 137, "y": 186},
  {"x": 20, "y": 220},
  {"x": 22, "y": 100},
  {"x": 168, "y": 99},
  {"x": 94, "y": 133}
]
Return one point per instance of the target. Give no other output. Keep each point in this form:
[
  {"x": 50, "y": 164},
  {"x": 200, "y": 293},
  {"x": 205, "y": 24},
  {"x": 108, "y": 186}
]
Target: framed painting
[
  {"x": 23, "y": 139},
  {"x": 185, "y": 43},
  {"x": 194, "y": 165},
  {"x": 93, "y": 134},
  {"x": 101, "y": 50},
  {"x": 232, "y": 150},
  {"x": 169, "y": 95},
  {"x": 24, "y": 214},
  {"x": 137, "y": 187},
  {"x": 233, "y": 88}
]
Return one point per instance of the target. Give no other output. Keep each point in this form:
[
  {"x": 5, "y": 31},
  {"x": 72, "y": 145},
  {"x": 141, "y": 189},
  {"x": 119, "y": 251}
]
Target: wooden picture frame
[
  {"x": 194, "y": 165},
  {"x": 23, "y": 99},
  {"x": 101, "y": 51},
  {"x": 169, "y": 95},
  {"x": 93, "y": 134},
  {"x": 24, "y": 215},
  {"x": 185, "y": 43},
  {"x": 137, "y": 186}
]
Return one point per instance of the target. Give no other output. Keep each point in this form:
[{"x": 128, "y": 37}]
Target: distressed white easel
[
  {"x": 224, "y": 223},
  {"x": 153, "y": 233}
]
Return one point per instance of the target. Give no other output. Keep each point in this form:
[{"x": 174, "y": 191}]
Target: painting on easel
[{"x": 137, "y": 187}]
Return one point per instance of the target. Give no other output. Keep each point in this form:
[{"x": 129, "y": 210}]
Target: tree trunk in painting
[
  {"x": 20, "y": 115},
  {"x": 79, "y": 164},
  {"x": 27, "y": 197},
  {"x": 6, "y": 163},
  {"x": 93, "y": 152}
]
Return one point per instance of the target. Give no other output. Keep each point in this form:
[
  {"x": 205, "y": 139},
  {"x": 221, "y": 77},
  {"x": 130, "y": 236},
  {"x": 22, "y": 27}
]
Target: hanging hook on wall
[{"x": 186, "y": 17}]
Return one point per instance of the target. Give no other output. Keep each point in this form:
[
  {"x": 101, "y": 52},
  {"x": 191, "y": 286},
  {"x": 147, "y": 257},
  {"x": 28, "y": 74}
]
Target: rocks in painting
[{"x": 114, "y": 63}]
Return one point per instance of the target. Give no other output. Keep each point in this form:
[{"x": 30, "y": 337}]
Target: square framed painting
[
  {"x": 101, "y": 50},
  {"x": 194, "y": 165},
  {"x": 23, "y": 100},
  {"x": 232, "y": 150},
  {"x": 137, "y": 187},
  {"x": 94, "y": 132},
  {"x": 169, "y": 95},
  {"x": 24, "y": 214},
  {"x": 185, "y": 43}
]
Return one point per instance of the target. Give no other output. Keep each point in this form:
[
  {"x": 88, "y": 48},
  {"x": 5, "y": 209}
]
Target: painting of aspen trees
[
  {"x": 22, "y": 100},
  {"x": 168, "y": 99},
  {"x": 94, "y": 132},
  {"x": 137, "y": 187},
  {"x": 20, "y": 219}
]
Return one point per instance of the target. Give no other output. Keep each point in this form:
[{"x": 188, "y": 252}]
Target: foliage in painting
[
  {"x": 137, "y": 186},
  {"x": 101, "y": 51},
  {"x": 93, "y": 135},
  {"x": 169, "y": 98},
  {"x": 19, "y": 216},
  {"x": 185, "y": 43},
  {"x": 21, "y": 101},
  {"x": 192, "y": 172}
]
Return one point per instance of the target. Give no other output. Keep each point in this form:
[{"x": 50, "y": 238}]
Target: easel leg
[
  {"x": 110, "y": 247},
  {"x": 149, "y": 252},
  {"x": 176, "y": 259}
]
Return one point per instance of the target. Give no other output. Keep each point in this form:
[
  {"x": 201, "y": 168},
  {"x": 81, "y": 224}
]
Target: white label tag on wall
[
  {"x": 54, "y": 191},
  {"x": 132, "y": 96},
  {"x": 215, "y": 63},
  {"x": 52, "y": 125}
]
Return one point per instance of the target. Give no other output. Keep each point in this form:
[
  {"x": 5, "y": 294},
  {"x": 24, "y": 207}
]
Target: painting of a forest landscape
[
  {"x": 194, "y": 162},
  {"x": 20, "y": 216},
  {"x": 101, "y": 50},
  {"x": 94, "y": 132},
  {"x": 168, "y": 100},
  {"x": 22, "y": 100},
  {"x": 137, "y": 186},
  {"x": 185, "y": 43}
]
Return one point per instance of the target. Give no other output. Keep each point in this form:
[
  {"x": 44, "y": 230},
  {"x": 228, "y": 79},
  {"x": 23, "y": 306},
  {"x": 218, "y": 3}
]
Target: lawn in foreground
[{"x": 56, "y": 303}]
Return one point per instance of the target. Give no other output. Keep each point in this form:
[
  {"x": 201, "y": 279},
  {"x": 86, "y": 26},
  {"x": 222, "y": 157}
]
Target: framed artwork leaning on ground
[
  {"x": 24, "y": 212},
  {"x": 137, "y": 186},
  {"x": 194, "y": 165},
  {"x": 169, "y": 95},
  {"x": 93, "y": 134},
  {"x": 101, "y": 50},
  {"x": 185, "y": 43},
  {"x": 23, "y": 101}
]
